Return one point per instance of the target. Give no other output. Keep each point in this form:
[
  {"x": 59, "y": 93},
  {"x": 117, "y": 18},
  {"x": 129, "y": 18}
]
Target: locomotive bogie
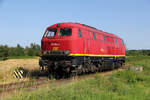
[{"x": 80, "y": 65}]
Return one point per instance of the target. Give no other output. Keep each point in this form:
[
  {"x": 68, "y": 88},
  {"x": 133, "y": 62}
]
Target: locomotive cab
[{"x": 57, "y": 41}]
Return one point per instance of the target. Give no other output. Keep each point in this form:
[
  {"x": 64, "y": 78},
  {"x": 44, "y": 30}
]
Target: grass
[
  {"x": 121, "y": 85},
  {"x": 2, "y": 59},
  {"x": 22, "y": 57},
  {"x": 17, "y": 57},
  {"x": 7, "y": 68}
]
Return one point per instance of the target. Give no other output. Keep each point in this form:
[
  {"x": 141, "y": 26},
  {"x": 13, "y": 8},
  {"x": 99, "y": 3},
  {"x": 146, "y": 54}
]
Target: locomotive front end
[{"x": 56, "y": 46}]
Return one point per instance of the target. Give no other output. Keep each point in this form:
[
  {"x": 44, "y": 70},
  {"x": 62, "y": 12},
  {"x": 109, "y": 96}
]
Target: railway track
[{"x": 24, "y": 84}]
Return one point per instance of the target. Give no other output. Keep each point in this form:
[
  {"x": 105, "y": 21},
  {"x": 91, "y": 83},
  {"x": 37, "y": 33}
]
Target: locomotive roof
[{"x": 87, "y": 27}]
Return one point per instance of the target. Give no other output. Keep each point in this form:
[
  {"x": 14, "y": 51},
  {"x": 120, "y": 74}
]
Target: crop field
[
  {"x": 7, "y": 67},
  {"x": 120, "y": 85}
]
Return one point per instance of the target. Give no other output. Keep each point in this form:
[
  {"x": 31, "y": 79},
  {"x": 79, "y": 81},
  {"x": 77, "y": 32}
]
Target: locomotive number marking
[
  {"x": 55, "y": 48},
  {"x": 102, "y": 50}
]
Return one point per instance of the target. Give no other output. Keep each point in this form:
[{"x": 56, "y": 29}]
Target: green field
[
  {"x": 18, "y": 57},
  {"x": 121, "y": 85}
]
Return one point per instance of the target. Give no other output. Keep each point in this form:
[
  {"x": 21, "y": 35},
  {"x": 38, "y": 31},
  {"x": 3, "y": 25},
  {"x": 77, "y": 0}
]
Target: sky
[{"x": 24, "y": 21}]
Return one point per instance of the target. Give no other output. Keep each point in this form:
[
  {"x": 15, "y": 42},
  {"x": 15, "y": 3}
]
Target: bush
[
  {"x": 3, "y": 51},
  {"x": 138, "y": 52},
  {"x": 32, "y": 50}
]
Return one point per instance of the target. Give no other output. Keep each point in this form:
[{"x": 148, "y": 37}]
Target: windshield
[
  {"x": 65, "y": 32},
  {"x": 51, "y": 32}
]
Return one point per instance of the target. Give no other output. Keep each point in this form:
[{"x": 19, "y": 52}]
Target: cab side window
[
  {"x": 79, "y": 33},
  {"x": 116, "y": 41},
  {"x": 122, "y": 42},
  {"x": 104, "y": 38},
  {"x": 94, "y": 36}
]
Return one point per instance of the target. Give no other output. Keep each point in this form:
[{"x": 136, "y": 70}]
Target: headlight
[
  {"x": 66, "y": 52},
  {"x": 45, "y": 52}
]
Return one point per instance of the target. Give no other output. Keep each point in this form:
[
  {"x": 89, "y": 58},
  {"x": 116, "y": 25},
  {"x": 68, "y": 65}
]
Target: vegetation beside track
[
  {"x": 7, "y": 52},
  {"x": 121, "y": 85},
  {"x": 18, "y": 57},
  {"x": 7, "y": 68}
]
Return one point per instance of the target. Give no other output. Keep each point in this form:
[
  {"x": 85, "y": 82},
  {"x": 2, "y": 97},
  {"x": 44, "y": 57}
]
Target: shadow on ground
[{"x": 36, "y": 73}]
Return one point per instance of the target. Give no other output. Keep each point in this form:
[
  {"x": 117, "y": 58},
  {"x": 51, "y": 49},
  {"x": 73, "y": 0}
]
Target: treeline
[
  {"x": 32, "y": 50},
  {"x": 35, "y": 50},
  {"x": 138, "y": 52}
]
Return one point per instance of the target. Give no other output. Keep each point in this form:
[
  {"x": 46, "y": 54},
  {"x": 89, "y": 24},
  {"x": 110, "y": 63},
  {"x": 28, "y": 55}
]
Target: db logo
[{"x": 55, "y": 44}]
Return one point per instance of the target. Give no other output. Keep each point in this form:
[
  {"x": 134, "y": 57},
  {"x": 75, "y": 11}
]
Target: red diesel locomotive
[{"x": 74, "y": 48}]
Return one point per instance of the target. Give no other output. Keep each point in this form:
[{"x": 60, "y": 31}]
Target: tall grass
[{"x": 121, "y": 85}]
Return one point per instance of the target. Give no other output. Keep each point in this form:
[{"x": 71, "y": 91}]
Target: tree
[
  {"x": 3, "y": 51},
  {"x": 33, "y": 50},
  {"x": 16, "y": 51}
]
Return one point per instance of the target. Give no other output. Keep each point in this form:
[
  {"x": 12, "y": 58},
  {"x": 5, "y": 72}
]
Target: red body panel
[{"x": 85, "y": 45}]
